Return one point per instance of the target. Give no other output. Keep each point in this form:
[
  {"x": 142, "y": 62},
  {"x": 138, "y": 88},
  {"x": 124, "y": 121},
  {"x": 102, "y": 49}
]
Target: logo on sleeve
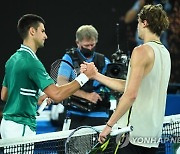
[{"x": 45, "y": 73}]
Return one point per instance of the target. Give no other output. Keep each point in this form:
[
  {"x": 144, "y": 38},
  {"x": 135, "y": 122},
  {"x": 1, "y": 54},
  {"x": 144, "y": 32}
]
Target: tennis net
[
  {"x": 170, "y": 140},
  {"x": 54, "y": 143}
]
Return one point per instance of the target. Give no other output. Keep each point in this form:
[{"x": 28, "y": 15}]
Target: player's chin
[{"x": 41, "y": 45}]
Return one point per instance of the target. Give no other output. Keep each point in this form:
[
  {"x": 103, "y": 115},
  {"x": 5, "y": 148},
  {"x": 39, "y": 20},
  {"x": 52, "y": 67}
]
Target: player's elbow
[
  {"x": 4, "y": 94},
  {"x": 58, "y": 99},
  {"x": 122, "y": 86},
  {"x": 59, "y": 96},
  {"x": 131, "y": 95},
  {"x": 55, "y": 93},
  {"x": 3, "y": 98}
]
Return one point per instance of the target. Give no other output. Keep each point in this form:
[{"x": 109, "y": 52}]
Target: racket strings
[
  {"x": 54, "y": 70},
  {"x": 55, "y": 67},
  {"x": 81, "y": 144}
]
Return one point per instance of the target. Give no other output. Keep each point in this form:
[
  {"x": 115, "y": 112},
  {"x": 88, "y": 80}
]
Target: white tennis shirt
[{"x": 149, "y": 107}]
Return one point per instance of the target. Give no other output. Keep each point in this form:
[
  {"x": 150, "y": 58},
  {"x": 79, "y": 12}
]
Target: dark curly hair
[{"x": 156, "y": 18}]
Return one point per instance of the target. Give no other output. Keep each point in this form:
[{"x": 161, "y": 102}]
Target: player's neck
[
  {"x": 30, "y": 45},
  {"x": 152, "y": 38}
]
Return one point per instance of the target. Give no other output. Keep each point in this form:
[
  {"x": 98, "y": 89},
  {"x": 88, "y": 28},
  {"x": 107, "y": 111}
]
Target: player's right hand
[
  {"x": 93, "y": 97},
  {"x": 89, "y": 69}
]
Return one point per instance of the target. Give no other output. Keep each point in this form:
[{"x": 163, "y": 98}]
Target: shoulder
[
  {"x": 103, "y": 58},
  {"x": 67, "y": 57},
  {"x": 100, "y": 55},
  {"x": 142, "y": 50},
  {"x": 35, "y": 64},
  {"x": 142, "y": 54}
]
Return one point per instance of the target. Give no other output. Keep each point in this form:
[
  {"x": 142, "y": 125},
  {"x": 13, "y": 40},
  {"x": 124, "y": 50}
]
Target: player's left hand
[
  {"x": 42, "y": 98},
  {"x": 103, "y": 135}
]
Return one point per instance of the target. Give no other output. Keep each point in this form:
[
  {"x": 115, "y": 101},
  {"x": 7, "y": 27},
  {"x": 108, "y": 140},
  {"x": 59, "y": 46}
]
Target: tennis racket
[
  {"x": 54, "y": 73},
  {"x": 84, "y": 140},
  {"x": 119, "y": 136}
]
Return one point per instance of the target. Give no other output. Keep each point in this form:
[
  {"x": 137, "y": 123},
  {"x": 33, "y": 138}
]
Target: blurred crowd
[
  {"x": 174, "y": 41},
  {"x": 170, "y": 38}
]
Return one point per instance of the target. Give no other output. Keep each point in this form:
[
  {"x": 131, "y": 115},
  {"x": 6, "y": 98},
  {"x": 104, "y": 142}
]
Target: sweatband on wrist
[
  {"x": 108, "y": 125},
  {"x": 81, "y": 79}
]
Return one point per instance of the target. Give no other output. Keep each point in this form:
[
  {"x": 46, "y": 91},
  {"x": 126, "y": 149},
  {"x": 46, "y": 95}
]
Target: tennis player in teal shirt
[{"x": 25, "y": 75}]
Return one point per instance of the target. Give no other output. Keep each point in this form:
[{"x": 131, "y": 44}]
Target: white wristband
[{"x": 82, "y": 79}]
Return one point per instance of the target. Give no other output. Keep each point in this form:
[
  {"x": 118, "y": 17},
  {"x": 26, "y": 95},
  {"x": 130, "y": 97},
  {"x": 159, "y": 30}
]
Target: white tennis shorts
[{"x": 11, "y": 129}]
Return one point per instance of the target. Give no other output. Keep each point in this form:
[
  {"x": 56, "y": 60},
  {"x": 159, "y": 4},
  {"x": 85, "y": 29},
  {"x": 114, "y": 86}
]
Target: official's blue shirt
[{"x": 66, "y": 71}]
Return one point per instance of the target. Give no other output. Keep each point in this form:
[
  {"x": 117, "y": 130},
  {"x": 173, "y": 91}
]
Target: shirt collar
[{"x": 28, "y": 49}]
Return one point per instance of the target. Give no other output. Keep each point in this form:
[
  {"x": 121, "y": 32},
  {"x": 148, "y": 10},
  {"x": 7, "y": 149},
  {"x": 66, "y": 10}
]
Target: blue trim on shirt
[
  {"x": 88, "y": 114},
  {"x": 64, "y": 69}
]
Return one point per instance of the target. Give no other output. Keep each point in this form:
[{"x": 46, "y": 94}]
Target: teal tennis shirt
[{"x": 24, "y": 76}]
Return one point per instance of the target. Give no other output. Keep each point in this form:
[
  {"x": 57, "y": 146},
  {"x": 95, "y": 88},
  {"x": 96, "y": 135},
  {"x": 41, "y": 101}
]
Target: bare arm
[
  {"x": 59, "y": 93},
  {"x": 112, "y": 83},
  {"x": 56, "y": 93},
  {"x": 92, "y": 97},
  {"x": 132, "y": 13},
  {"x": 130, "y": 16},
  {"x": 61, "y": 80},
  {"x": 4, "y": 93}
]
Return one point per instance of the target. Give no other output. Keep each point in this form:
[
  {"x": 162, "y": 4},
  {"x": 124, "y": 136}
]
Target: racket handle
[
  {"x": 67, "y": 123},
  {"x": 42, "y": 107},
  {"x": 121, "y": 131}
]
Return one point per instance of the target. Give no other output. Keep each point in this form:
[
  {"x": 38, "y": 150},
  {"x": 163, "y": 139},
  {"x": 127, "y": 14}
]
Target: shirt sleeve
[
  {"x": 5, "y": 79},
  {"x": 39, "y": 75},
  {"x": 65, "y": 69},
  {"x": 4, "y": 82}
]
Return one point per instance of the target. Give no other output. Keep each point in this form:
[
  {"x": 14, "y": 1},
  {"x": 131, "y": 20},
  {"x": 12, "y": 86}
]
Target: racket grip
[
  {"x": 42, "y": 107},
  {"x": 121, "y": 131},
  {"x": 67, "y": 123}
]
